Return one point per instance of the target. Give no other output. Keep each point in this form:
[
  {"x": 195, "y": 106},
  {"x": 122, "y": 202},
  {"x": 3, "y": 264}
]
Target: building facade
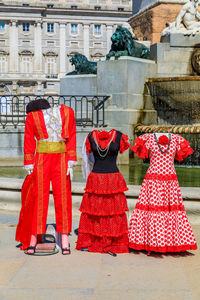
[{"x": 37, "y": 39}]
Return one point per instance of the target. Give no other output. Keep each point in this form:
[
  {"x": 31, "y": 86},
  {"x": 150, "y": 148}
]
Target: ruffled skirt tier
[
  {"x": 103, "y": 223},
  {"x": 159, "y": 222}
]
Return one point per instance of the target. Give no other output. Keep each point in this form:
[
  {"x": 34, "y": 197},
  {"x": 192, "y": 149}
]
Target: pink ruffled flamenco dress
[
  {"x": 159, "y": 222},
  {"x": 103, "y": 223}
]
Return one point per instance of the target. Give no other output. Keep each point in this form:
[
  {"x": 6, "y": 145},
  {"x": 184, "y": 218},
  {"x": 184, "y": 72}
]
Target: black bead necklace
[{"x": 163, "y": 151}]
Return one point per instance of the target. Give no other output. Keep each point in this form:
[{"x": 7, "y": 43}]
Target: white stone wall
[
  {"x": 81, "y": 4},
  {"x": 35, "y": 60}
]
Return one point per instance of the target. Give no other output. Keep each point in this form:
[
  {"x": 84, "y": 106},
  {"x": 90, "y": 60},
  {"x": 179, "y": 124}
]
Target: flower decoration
[
  {"x": 103, "y": 135},
  {"x": 163, "y": 140}
]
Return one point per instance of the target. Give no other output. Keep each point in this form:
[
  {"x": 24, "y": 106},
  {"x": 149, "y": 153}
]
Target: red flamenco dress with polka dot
[
  {"x": 103, "y": 224},
  {"x": 159, "y": 222}
]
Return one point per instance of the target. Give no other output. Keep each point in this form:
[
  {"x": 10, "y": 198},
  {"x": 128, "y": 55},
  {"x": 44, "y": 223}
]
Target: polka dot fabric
[{"x": 159, "y": 222}]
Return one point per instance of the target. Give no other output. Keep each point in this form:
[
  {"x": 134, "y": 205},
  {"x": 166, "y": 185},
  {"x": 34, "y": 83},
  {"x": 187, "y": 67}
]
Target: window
[
  {"x": 26, "y": 27},
  {"x": 74, "y": 28},
  {"x": 120, "y": 9},
  {"x": 2, "y": 26},
  {"x": 2, "y": 42},
  {"x": 97, "y": 29},
  {"x": 74, "y": 6},
  {"x": 97, "y": 7},
  {"x": 97, "y": 45},
  {"x": 74, "y": 44},
  {"x": 25, "y": 4},
  {"x": 51, "y": 65},
  {"x": 50, "y": 43},
  {"x": 26, "y": 42},
  {"x": 50, "y": 27},
  {"x": 26, "y": 64},
  {"x": 49, "y": 5},
  {"x": 2, "y": 64}
]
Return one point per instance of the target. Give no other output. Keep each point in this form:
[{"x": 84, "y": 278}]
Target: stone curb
[{"x": 10, "y": 198}]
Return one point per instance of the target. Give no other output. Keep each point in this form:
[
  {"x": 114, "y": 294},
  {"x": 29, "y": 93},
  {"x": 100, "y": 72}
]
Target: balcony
[{"x": 52, "y": 76}]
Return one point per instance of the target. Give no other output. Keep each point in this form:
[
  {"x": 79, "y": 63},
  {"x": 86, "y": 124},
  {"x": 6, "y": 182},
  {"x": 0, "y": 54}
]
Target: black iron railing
[{"x": 89, "y": 110}]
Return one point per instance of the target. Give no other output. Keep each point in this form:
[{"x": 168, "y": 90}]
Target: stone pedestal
[
  {"x": 173, "y": 55},
  {"x": 124, "y": 80},
  {"x": 78, "y": 85}
]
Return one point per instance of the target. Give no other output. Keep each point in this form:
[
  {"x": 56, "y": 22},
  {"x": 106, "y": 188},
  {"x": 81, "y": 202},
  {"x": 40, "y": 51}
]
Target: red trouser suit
[{"x": 52, "y": 167}]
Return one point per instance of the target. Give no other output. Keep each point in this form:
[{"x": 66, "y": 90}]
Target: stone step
[{"x": 10, "y": 198}]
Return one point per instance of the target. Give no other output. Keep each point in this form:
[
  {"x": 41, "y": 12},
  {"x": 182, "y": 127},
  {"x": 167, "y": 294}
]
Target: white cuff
[
  {"x": 28, "y": 167},
  {"x": 72, "y": 163}
]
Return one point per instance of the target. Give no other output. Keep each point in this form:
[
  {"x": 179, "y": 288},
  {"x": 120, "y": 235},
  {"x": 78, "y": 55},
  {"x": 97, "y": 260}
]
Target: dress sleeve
[
  {"x": 71, "y": 141},
  {"x": 124, "y": 144},
  {"x": 183, "y": 148},
  {"x": 141, "y": 147},
  {"x": 87, "y": 158},
  {"x": 88, "y": 145},
  {"x": 29, "y": 141}
]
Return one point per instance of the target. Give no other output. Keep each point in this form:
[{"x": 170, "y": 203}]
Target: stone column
[
  {"x": 109, "y": 32},
  {"x": 13, "y": 45},
  {"x": 62, "y": 49},
  {"x": 38, "y": 48},
  {"x": 39, "y": 88},
  {"x": 86, "y": 40}
]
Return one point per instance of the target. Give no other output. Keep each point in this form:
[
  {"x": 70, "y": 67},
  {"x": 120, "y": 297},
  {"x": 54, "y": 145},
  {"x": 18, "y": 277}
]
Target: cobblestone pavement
[{"x": 91, "y": 276}]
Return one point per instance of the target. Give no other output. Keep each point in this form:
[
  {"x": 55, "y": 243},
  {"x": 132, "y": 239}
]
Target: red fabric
[
  {"x": 163, "y": 140},
  {"x": 181, "y": 248},
  {"x": 35, "y": 128},
  {"x": 103, "y": 137},
  {"x": 24, "y": 227},
  {"x": 104, "y": 205},
  {"x": 52, "y": 167},
  {"x": 103, "y": 244},
  {"x": 124, "y": 144},
  {"x": 115, "y": 225},
  {"x": 103, "y": 223},
  {"x": 152, "y": 176},
  {"x": 183, "y": 151},
  {"x": 69, "y": 131},
  {"x": 88, "y": 146},
  {"x": 160, "y": 208},
  {"x": 140, "y": 148},
  {"x": 159, "y": 221},
  {"x": 105, "y": 183},
  {"x": 29, "y": 140}
]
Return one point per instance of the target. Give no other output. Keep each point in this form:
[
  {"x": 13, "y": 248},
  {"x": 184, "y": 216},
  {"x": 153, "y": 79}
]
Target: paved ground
[{"x": 85, "y": 276}]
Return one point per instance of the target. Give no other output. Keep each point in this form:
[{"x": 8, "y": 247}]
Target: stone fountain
[{"x": 148, "y": 95}]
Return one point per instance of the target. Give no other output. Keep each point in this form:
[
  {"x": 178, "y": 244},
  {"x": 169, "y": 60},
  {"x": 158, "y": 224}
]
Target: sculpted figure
[
  {"x": 124, "y": 45},
  {"x": 82, "y": 65},
  {"x": 195, "y": 60},
  {"x": 186, "y": 22}
]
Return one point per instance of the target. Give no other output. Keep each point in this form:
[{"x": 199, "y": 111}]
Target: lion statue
[
  {"x": 82, "y": 65},
  {"x": 124, "y": 45}
]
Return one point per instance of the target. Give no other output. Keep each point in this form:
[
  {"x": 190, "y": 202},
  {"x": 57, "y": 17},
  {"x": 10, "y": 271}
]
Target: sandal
[
  {"x": 112, "y": 253},
  {"x": 66, "y": 251},
  {"x": 30, "y": 248}
]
